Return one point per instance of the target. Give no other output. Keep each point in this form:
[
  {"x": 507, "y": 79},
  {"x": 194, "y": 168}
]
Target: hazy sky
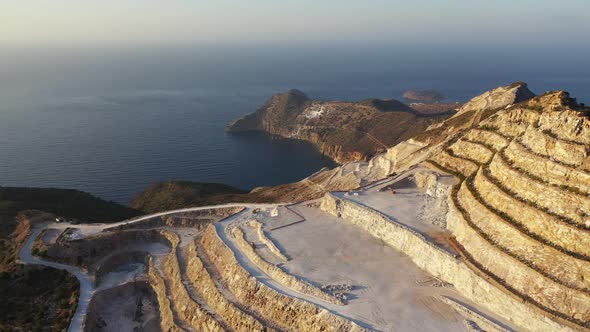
[{"x": 178, "y": 21}]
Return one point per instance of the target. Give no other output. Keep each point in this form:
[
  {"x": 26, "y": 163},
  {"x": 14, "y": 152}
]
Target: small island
[{"x": 423, "y": 96}]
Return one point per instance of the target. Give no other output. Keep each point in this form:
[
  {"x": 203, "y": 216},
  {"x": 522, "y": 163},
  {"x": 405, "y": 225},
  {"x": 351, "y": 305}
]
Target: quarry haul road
[
  {"x": 86, "y": 291},
  {"x": 86, "y": 280}
]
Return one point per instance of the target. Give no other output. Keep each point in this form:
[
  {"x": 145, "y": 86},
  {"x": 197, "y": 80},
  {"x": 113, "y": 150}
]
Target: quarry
[{"x": 480, "y": 224}]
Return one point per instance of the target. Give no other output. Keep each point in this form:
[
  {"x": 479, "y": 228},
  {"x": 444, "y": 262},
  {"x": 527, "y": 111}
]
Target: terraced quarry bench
[
  {"x": 522, "y": 218},
  {"x": 288, "y": 312}
]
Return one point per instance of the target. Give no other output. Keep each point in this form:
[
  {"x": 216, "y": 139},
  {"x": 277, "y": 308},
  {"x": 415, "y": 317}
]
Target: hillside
[
  {"x": 423, "y": 96},
  {"x": 395, "y": 159},
  {"x": 479, "y": 223},
  {"x": 344, "y": 131},
  {"x": 39, "y": 298},
  {"x": 525, "y": 183},
  {"x": 172, "y": 195}
]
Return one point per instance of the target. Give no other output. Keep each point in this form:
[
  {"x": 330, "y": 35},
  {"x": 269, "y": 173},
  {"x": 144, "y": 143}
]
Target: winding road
[{"x": 86, "y": 280}]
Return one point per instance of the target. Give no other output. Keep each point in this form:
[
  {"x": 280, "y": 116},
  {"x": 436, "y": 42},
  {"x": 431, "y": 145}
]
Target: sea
[{"x": 112, "y": 120}]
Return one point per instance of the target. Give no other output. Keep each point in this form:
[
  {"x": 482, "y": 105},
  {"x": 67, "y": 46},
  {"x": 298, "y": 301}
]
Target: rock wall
[
  {"x": 436, "y": 206},
  {"x": 194, "y": 219},
  {"x": 573, "y": 154},
  {"x": 118, "y": 259},
  {"x": 202, "y": 282},
  {"x": 94, "y": 323},
  {"x": 87, "y": 251},
  {"x": 289, "y": 313},
  {"x": 188, "y": 309},
  {"x": 490, "y": 138},
  {"x": 560, "y": 202},
  {"x": 508, "y": 255},
  {"x": 545, "y": 227},
  {"x": 466, "y": 149},
  {"x": 266, "y": 241},
  {"x": 523, "y": 219},
  {"x": 546, "y": 169},
  {"x": 277, "y": 274},
  {"x": 498, "y": 98},
  {"x": 167, "y": 322},
  {"x": 441, "y": 264}
]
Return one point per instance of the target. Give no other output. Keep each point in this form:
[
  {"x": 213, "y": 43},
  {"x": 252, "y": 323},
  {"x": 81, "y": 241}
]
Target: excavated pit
[{"x": 488, "y": 230}]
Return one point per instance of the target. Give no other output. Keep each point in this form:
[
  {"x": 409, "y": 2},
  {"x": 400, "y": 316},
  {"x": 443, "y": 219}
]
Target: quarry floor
[{"x": 387, "y": 291}]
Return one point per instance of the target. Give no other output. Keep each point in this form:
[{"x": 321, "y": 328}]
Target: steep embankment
[
  {"x": 521, "y": 214},
  {"x": 344, "y": 131}
]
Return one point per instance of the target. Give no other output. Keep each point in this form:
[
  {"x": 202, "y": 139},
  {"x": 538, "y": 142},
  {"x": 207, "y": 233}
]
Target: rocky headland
[
  {"x": 423, "y": 96},
  {"x": 344, "y": 131}
]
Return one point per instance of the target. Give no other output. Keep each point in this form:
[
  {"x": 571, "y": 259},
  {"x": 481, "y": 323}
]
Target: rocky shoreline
[{"x": 343, "y": 131}]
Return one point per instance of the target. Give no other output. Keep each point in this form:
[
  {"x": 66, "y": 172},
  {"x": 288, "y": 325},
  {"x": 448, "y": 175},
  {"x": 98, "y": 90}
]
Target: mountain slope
[
  {"x": 521, "y": 212},
  {"x": 36, "y": 298},
  {"x": 345, "y": 131},
  {"x": 172, "y": 195}
]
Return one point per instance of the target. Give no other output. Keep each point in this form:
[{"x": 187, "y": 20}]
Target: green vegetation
[
  {"x": 68, "y": 203},
  {"x": 36, "y": 298},
  {"x": 390, "y": 105},
  {"x": 181, "y": 194}
]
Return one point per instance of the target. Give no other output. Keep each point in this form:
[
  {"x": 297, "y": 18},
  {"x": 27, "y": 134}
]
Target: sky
[{"x": 41, "y": 22}]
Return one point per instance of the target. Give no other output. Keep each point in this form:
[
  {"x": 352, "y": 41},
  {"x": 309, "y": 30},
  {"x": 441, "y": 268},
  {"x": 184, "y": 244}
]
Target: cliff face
[
  {"x": 344, "y": 131},
  {"x": 521, "y": 212}
]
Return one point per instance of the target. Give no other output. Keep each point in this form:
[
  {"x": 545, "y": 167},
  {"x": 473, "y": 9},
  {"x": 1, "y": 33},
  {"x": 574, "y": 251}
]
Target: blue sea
[{"x": 113, "y": 120}]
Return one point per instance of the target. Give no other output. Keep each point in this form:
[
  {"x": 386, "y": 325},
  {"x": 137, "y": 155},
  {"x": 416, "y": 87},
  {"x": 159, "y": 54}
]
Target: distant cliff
[
  {"x": 423, "y": 96},
  {"x": 344, "y": 131}
]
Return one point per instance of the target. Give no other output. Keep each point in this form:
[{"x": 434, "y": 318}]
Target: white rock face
[
  {"x": 411, "y": 152},
  {"x": 498, "y": 98},
  {"x": 316, "y": 110},
  {"x": 440, "y": 263},
  {"x": 437, "y": 189}
]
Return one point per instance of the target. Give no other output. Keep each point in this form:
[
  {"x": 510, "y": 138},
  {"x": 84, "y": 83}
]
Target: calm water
[{"x": 113, "y": 121}]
